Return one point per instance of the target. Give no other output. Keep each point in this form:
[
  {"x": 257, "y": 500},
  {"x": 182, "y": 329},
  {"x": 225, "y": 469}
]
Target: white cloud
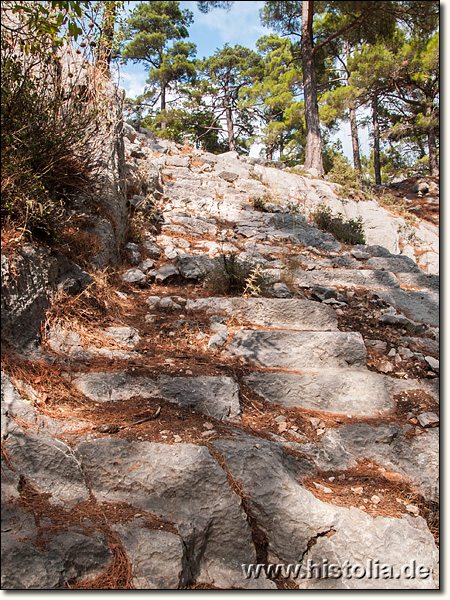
[
  {"x": 240, "y": 25},
  {"x": 133, "y": 83}
]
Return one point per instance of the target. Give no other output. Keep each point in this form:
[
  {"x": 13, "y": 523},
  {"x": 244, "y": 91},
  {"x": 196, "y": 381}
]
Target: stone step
[
  {"x": 296, "y": 351},
  {"x": 292, "y": 516},
  {"x": 416, "y": 457},
  {"x": 350, "y": 392},
  {"x": 347, "y": 278},
  {"x": 418, "y": 306},
  {"x": 217, "y": 397},
  {"x": 298, "y": 230},
  {"x": 278, "y": 313},
  {"x": 394, "y": 264},
  {"x": 421, "y": 281}
]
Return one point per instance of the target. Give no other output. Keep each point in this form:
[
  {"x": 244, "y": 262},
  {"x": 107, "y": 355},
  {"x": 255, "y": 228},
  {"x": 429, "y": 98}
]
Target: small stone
[
  {"x": 376, "y": 345},
  {"x": 281, "y": 290},
  {"x": 357, "y": 490},
  {"x": 151, "y": 249},
  {"x": 170, "y": 252},
  {"x": 133, "y": 276},
  {"x": 323, "y": 488},
  {"x": 412, "y": 509},
  {"x": 168, "y": 303},
  {"x": 433, "y": 362},
  {"x": 386, "y": 367},
  {"x": 218, "y": 339},
  {"x": 375, "y": 499},
  {"x": 280, "y": 419},
  {"x": 208, "y": 425},
  {"x": 146, "y": 265},
  {"x": 359, "y": 254},
  {"x": 282, "y": 427},
  {"x": 153, "y": 301},
  {"x": 331, "y": 479},
  {"x": 428, "y": 419},
  {"x": 405, "y": 353},
  {"x": 315, "y": 422},
  {"x": 215, "y": 327},
  {"x": 177, "y": 438},
  {"x": 228, "y": 176},
  {"x": 392, "y": 352},
  {"x": 164, "y": 273}
]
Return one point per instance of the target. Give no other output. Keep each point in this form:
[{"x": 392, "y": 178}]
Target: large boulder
[{"x": 29, "y": 280}]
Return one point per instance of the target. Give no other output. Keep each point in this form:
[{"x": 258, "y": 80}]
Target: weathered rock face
[
  {"x": 306, "y": 528},
  {"x": 184, "y": 485},
  {"x": 29, "y": 280},
  {"x": 334, "y": 391},
  {"x": 221, "y": 432}
]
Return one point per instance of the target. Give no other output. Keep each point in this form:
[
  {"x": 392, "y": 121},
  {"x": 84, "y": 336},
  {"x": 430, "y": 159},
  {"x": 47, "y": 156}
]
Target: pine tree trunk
[
  {"x": 163, "y": 101},
  {"x": 376, "y": 141},
  {"x": 353, "y": 123},
  {"x": 432, "y": 150},
  {"x": 229, "y": 118},
  {"x": 355, "y": 141},
  {"x": 313, "y": 150}
]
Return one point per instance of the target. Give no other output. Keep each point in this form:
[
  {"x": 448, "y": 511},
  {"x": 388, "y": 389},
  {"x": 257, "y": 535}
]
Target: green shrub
[
  {"x": 232, "y": 276},
  {"x": 350, "y": 231},
  {"x": 46, "y": 126},
  {"x": 258, "y": 203}
]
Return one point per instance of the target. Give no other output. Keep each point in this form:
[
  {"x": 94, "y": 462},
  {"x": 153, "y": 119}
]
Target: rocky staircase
[{"x": 298, "y": 428}]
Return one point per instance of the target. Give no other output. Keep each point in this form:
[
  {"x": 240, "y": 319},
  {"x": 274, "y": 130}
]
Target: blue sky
[{"x": 241, "y": 25}]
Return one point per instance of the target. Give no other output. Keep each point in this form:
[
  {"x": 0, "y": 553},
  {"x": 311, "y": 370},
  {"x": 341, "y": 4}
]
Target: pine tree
[
  {"x": 157, "y": 31},
  {"x": 225, "y": 74}
]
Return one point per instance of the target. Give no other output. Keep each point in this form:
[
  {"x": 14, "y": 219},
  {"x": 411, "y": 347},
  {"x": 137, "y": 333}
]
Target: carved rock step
[
  {"x": 360, "y": 393},
  {"x": 292, "y": 519},
  {"x": 299, "y": 350},
  {"x": 419, "y": 306},
  {"x": 415, "y": 458},
  {"x": 218, "y": 397},
  {"x": 280, "y": 313},
  {"x": 394, "y": 264},
  {"x": 347, "y": 278},
  {"x": 420, "y": 280},
  {"x": 185, "y": 485}
]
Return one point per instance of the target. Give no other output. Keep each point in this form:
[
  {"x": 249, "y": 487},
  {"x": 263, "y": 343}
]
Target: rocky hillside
[{"x": 246, "y": 389}]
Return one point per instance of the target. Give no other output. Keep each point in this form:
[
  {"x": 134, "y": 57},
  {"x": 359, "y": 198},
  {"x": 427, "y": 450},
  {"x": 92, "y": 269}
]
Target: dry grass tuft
[
  {"x": 101, "y": 303},
  {"x": 40, "y": 382}
]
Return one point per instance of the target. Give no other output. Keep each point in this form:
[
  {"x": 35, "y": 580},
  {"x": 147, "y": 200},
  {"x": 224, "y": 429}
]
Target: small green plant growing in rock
[
  {"x": 254, "y": 175},
  {"x": 258, "y": 203},
  {"x": 349, "y": 231},
  {"x": 396, "y": 205},
  {"x": 232, "y": 276}
]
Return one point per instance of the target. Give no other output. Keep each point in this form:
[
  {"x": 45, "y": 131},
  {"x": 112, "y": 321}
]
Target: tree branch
[{"x": 333, "y": 36}]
